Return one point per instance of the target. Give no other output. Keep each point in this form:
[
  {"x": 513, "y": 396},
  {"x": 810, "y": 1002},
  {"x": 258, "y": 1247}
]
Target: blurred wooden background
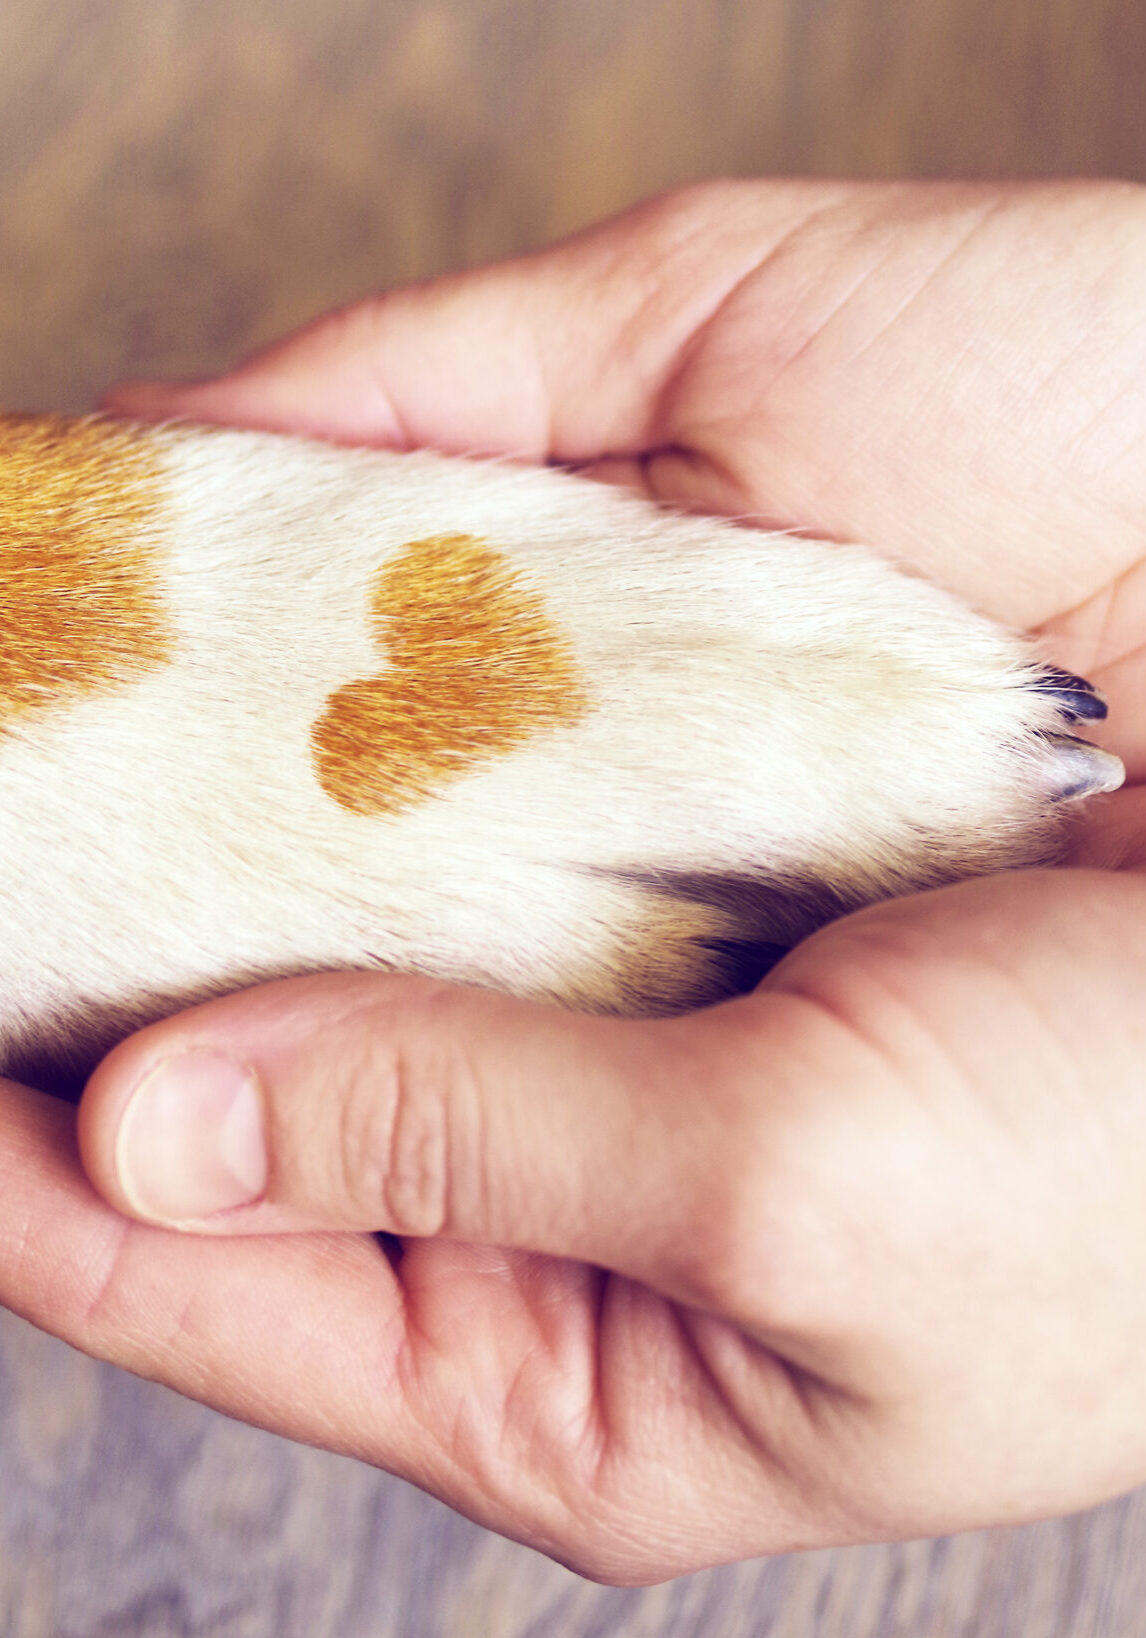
[
  {"x": 180, "y": 179},
  {"x": 183, "y": 179}
]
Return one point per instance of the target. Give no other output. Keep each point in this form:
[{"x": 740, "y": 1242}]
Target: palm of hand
[
  {"x": 954, "y": 374},
  {"x": 822, "y": 392}
]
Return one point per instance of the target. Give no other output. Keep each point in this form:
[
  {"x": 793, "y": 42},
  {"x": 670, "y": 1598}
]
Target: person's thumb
[{"x": 367, "y": 1102}]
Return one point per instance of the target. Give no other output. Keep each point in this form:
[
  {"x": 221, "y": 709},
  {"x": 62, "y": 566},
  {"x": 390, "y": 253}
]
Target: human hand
[{"x": 860, "y": 1255}]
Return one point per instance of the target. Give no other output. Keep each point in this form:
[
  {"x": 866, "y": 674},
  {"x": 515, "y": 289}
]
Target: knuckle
[
  {"x": 394, "y": 1150},
  {"x": 413, "y": 1179}
]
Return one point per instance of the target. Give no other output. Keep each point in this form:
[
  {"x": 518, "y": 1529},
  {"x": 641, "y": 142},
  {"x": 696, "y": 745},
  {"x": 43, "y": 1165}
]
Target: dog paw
[{"x": 269, "y": 707}]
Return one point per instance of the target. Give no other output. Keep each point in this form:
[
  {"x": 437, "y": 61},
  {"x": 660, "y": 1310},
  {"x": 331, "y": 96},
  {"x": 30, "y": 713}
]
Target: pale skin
[{"x": 860, "y": 1256}]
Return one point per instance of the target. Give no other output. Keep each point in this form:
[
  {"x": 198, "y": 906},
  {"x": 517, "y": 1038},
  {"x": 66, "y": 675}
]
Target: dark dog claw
[
  {"x": 1079, "y": 769},
  {"x": 1077, "y": 699}
]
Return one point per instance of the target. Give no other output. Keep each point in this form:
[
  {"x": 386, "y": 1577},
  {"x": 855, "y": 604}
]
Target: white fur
[{"x": 762, "y": 707}]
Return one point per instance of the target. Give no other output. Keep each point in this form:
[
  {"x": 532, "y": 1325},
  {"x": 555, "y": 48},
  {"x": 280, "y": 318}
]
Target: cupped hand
[{"x": 860, "y": 1255}]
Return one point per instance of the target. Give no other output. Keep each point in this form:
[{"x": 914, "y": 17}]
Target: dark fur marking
[
  {"x": 780, "y": 911},
  {"x": 766, "y": 918}
]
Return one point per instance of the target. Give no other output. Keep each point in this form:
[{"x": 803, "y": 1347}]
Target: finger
[
  {"x": 232, "y": 1324},
  {"x": 564, "y": 354},
  {"x": 310, "y": 1336},
  {"x": 354, "y": 1101},
  {"x": 474, "y": 1373}
]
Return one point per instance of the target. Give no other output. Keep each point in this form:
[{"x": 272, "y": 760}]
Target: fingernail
[{"x": 191, "y": 1139}]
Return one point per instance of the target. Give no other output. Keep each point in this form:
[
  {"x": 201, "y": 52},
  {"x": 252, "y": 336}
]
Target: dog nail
[
  {"x": 1079, "y": 769},
  {"x": 1077, "y": 699}
]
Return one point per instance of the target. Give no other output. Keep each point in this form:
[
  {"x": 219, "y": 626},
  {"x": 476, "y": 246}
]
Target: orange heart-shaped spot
[{"x": 476, "y": 668}]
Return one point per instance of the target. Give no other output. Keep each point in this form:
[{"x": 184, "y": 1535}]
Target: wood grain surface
[
  {"x": 180, "y": 180},
  {"x": 127, "y": 1512}
]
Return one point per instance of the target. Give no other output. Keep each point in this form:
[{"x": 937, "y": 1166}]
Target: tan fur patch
[
  {"x": 476, "y": 668},
  {"x": 665, "y": 959},
  {"x": 79, "y": 602}
]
